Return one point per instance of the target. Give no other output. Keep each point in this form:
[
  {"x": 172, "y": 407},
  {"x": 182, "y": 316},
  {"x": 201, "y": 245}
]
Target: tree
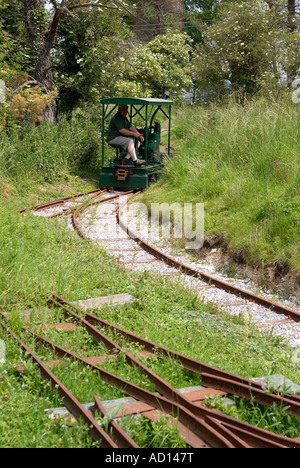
[
  {"x": 24, "y": 103},
  {"x": 247, "y": 46},
  {"x": 197, "y": 13},
  {"x": 41, "y": 32},
  {"x": 14, "y": 54},
  {"x": 293, "y": 42},
  {"x": 89, "y": 56},
  {"x": 163, "y": 64},
  {"x": 154, "y": 17},
  {"x": 42, "y": 26},
  {"x": 112, "y": 67}
]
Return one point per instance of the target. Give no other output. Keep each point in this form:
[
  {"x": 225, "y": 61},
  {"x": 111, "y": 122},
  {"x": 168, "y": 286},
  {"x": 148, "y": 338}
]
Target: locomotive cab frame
[{"x": 115, "y": 174}]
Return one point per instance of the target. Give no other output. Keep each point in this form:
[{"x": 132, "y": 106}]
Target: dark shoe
[
  {"x": 127, "y": 162},
  {"x": 139, "y": 162}
]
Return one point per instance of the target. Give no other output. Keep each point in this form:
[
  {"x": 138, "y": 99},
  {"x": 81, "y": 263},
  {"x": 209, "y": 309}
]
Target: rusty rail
[
  {"x": 216, "y": 429},
  {"x": 252, "y": 393},
  {"x": 241, "y": 293},
  {"x": 200, "y": 428},
  {"x": 60, "y": 201},
  {"x": 185, "y": 408},
  {"x": 210, "y": 376},
  {"x": 73, "y": 405},
  {"x": 80, "y": 208},
  {"x": 122, "y": 439}
]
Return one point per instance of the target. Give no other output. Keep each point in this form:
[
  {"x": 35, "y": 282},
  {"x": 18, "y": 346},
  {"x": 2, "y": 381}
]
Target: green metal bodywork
[
  {"x": 146, "y": 109},
  {"x": 140, "y": 177}
]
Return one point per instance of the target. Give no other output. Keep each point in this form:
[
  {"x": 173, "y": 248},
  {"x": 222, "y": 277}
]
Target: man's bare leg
[{"x": 131, "y": 153}]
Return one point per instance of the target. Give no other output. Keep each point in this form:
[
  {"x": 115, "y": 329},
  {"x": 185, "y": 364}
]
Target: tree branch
[
  {"x": 32, "y": 81},
  {"x": 14, "y": 38},
  {"x": 129, "y": 12},
  {"x": 85, "y": 5}
]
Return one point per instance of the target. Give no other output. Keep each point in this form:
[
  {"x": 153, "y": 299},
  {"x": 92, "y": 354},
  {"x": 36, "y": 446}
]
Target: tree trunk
[
  {"x": 291, "y": 27},
  {"x": 43, "y": 74},
  {"x": 291, "y": 6},
  {"x": 42, "y": 35}
]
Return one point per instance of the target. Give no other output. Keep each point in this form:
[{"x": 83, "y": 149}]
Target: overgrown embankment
[
  {"x": 243, "y": 164},
  {"x": 50, "y": 152}
]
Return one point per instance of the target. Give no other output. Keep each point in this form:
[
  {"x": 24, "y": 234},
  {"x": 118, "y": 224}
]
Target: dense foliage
[
  {"x": 249, "y": 47},
  {"x": 72, "y": 56}
]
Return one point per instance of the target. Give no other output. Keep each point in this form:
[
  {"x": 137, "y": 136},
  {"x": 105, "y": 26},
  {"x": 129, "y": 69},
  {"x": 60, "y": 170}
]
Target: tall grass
[
  {"x": 47, "y": 152},
  {"x": 243, "y": 163}
]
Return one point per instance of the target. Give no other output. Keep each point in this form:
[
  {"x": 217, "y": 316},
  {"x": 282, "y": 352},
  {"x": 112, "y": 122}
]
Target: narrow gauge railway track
[
  {"x": 199, "y": 425},
  {"x": 210, "y": 376},
  {"x": 60, "y": 201},
  {"x": 288, "y": 314},
  {"x": 214, "y": 430},
  {"x": 107, "y": 197},
  {"x": 241, "y": 293}
]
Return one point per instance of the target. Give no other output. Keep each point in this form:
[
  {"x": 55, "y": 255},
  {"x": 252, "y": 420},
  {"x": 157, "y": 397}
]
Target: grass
[
  {"x": 245, "y": 169},
  {"x": 47, "y": 153},
  {"x": 149, "y": 434},
  {"x": 258, "y": 415},
  {"x": 40, "y": 257}
]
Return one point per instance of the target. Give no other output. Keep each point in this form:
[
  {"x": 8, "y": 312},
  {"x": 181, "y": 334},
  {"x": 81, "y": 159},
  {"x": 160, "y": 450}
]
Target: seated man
[{"x": 121, "y": 133}]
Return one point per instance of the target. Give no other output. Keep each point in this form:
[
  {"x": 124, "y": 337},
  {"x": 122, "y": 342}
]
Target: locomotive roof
[{"x": 138, "y": 101}]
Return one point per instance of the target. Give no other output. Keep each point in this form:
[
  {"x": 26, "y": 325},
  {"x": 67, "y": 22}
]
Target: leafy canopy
[{"x": 245, "y": 46}]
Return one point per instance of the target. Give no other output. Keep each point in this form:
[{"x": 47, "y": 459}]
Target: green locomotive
[{"x": 118, "y": 173}]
